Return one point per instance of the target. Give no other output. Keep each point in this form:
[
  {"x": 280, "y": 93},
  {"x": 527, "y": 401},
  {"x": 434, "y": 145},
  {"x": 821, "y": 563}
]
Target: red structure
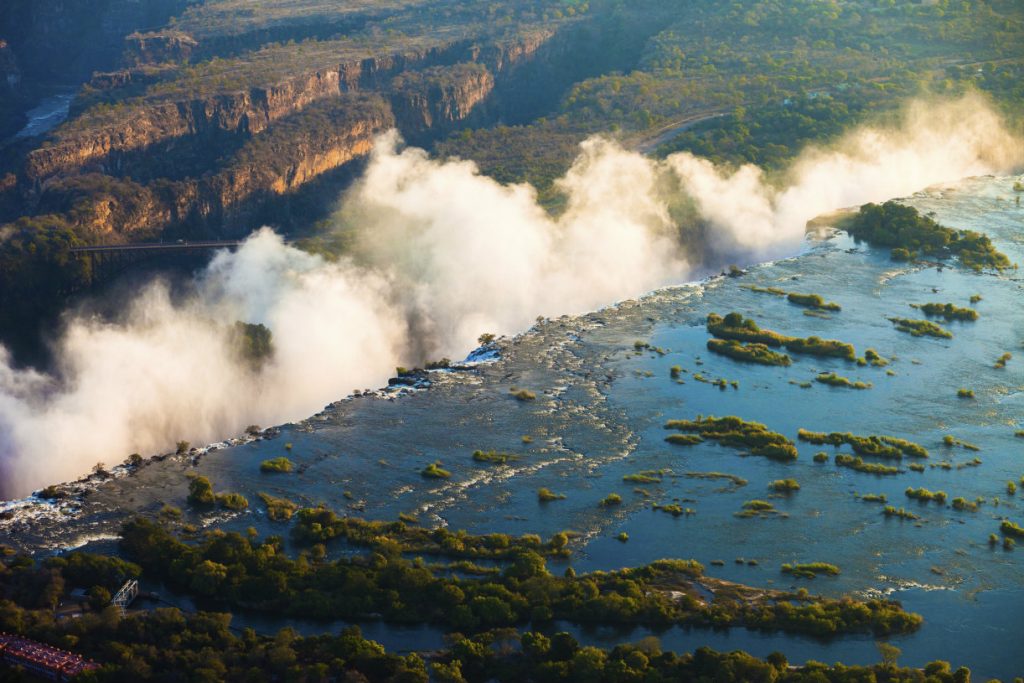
[{"x": 42, "y": 660}]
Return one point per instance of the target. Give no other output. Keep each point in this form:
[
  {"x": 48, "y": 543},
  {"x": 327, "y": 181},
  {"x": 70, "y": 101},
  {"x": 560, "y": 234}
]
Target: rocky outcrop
[
  {"x": 318, "y": 140},
  {"x": 438, "y": 98},
  {"x": 158, "y": 47}
]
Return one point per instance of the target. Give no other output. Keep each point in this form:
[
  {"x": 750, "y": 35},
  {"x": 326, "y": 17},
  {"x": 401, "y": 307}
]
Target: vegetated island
[
  {"x": 909, "y": 234},
  {"x": 737, "y": 328},
  {"x": 890, "y": 447},
  {"x": 738, "y": 433}
]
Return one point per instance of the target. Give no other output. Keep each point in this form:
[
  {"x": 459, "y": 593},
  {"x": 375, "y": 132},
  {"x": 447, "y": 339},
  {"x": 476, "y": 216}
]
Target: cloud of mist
[{"x": 441, "y": 254}]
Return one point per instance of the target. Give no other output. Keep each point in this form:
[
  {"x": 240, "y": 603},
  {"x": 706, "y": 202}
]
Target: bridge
[
  {"x": 126, "y": 596},
  {"x": 165, "y": 247}
]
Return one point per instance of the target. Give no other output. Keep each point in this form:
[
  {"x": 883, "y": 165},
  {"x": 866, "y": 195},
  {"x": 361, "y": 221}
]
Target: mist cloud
[{"x": 441, "y": 254}]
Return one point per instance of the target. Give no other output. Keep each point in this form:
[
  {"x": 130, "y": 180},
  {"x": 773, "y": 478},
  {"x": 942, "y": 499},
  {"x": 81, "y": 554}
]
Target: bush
[{"x": 281, "y": 465}]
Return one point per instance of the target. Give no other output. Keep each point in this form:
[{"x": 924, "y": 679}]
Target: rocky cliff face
[
  {"x": 210, "y": 164},
  {"x": 147, "y": 127}
]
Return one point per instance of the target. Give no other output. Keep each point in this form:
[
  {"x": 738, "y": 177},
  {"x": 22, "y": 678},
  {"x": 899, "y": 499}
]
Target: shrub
[
  {"x": 434, "y": 471},
  {"x": 277, "y": 465}
]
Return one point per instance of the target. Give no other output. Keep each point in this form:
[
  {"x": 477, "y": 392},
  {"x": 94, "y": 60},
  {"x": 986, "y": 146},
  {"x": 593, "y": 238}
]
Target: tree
[{"x": 890, "y": 654}]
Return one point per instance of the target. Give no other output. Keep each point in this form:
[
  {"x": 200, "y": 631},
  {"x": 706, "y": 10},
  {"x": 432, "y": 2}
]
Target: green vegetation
[
  {"x": 857, "y": 463},
  {"x": 278, "y": 509},
  {"x": 920, "y": 328},
  {"x": 1011, "y": 529},
  {"x": 812, "y": 301},
  {"x": 736, "y": 433},
  {"x": 784, "y": 485},
  {"x": 435, "y": 471},
  {"x": 758, "y": 508},
  {"x": 734, "y": 326},
  {"x": 924, "y": 495},
  {"x": 902, "y": 227},
  {"x": 675, "y": 371},
  {"x": 810, "y": 570},
  {"x": 684, "y": 439},
  {"x": 871, "y": 356},
  {"x": 232, "y": 501},
  {"x": 494, "y": 457},
  {"x": 674, "y": 510},
  {"x": 962, "y": 504},
  {"x": 1002, "y": 361},
  {"x": 201, "y": 495},
  {"x": 889, "y": 447},
  {"x": 750, "y": 353},
  {"x": 645, "y": 477},
  {"x": 821, "y": 456},
  {"x": 545, "y": 495},
  {"x": 951, "y": 441},
  {"x": 766, "y": 290},
  {"x": 611, "y": 500},
  {"x": 948, "y": 311},
  {"x": 281, "y": 464},
  {"x": 874, "y": 498},
  {"x": 890, "y": 511},
  {"x": 965, "y": 393},
  {"x": 834, "y": 380}
]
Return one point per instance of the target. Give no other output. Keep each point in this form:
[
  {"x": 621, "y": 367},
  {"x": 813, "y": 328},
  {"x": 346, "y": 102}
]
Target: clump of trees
[
  {"x": 735, "y": 432},
  {"x": 908, "y": 233}
]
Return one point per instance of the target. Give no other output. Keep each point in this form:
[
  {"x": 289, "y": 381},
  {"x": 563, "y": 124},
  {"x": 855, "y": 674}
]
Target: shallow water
[{"x": 599, "y": 415}]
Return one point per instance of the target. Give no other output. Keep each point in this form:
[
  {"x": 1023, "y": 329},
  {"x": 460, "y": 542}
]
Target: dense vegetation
[
  {"x": 737, "y": 328},
  {"x": 737, "y": 433},
  {"x": 908, "y": 234},
  {"x": 749, "y": 353},
  {"x": 921, "y": 328},
  {"x": 878, "y": 446}
]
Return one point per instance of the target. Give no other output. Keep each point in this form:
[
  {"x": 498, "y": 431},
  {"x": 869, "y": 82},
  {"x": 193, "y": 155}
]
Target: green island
[
  {"x": 435, "y": 471},
  {"x": 1002, "y": 361},
  {"x": 784, "y": 485},
  {"x": 684, "y": 439},
  {"x": 760, "y": 509},
  {"x": 964, "y": 393},
  {"x": 921, "y": 328},
  {"x": 890, "y": 511},
  {"x": 277, "y": 465},
  {"x": 950, "y": 312},
  {"x": 874, "y": 498},
  {"x": 1011, "y": 529},
  {"x": 674, "y": 509},
  {"x": 278, "y": 509},
  {"x": 751, "y": 353},
  {"x": 201, "y": 495},
  {"x": 924, "y": 495},
  {"x": 735, "y": 432},
  {"x": 857, "y": 464},
  {"x": 546, "y": 495},
  {"x": 494, "y": 457},
  {"x": 645, "y": 477},
  {"x": 907, "y": 233},
  {"x": 962, "y": 504},
  {"x": 810, "y": 570},
  {"x": 611, "y": 500},
  {"x": 834, "y": 380},
  {"x": 879, "y": 446},
  {"x": 813, "y": 301},
  {"x": 737, "y": 328}
]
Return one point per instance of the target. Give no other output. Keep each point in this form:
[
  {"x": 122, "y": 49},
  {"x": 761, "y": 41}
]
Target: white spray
[{"x": 442, "y": 254}]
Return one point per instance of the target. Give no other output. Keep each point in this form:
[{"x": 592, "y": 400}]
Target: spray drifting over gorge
[{"x": 441, "y": 254}]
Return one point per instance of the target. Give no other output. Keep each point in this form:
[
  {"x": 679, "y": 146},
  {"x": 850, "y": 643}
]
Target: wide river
[{"x": 599, "y": 415}]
